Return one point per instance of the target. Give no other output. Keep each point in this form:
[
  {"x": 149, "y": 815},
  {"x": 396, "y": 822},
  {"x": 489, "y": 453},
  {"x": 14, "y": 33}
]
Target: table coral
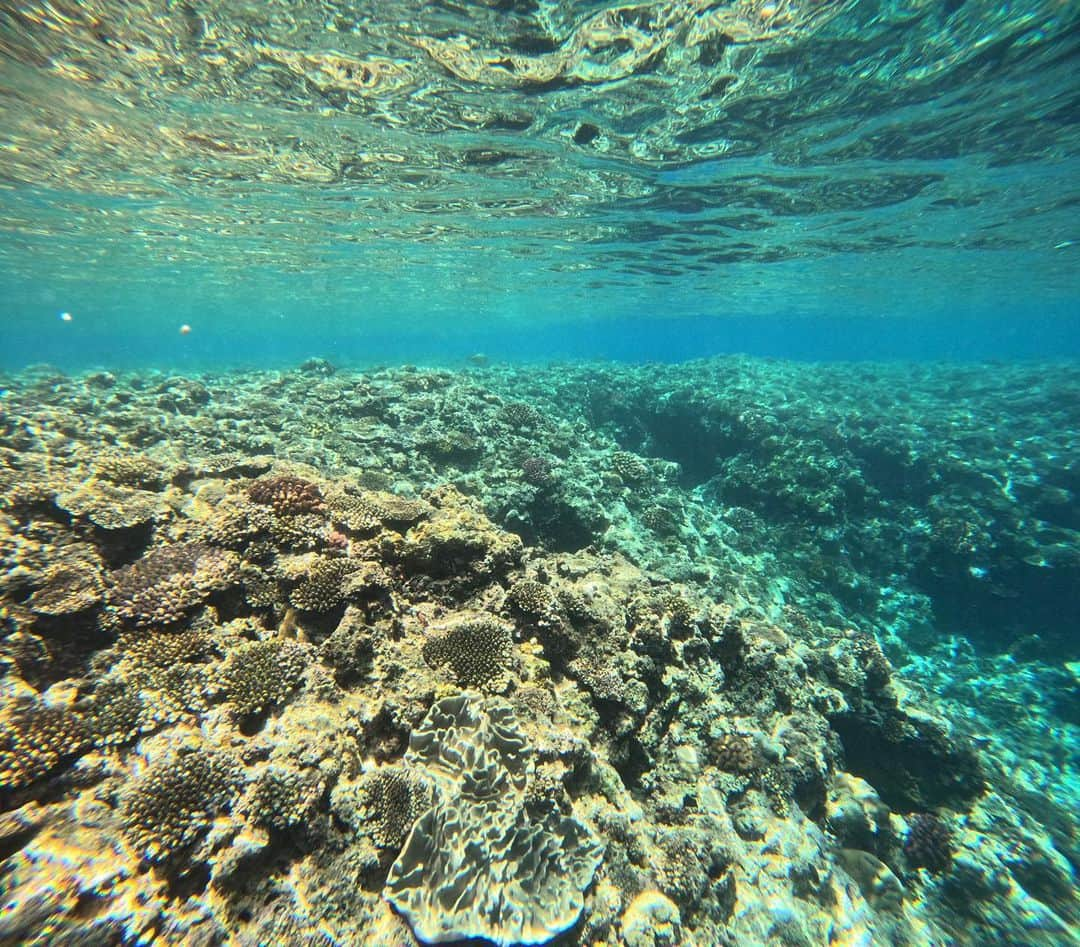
[{"x": 170, "y": 581}]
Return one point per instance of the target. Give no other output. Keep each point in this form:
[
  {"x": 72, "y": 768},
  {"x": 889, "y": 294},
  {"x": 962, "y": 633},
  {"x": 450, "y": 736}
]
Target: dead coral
[
  {"x": 68, "y": 589},
  {"x": 459, "y": 540},
  {"x": 130, "y": 470},
  {"x": 283, "y": 797},
  {"x": 111, "y": 507}
]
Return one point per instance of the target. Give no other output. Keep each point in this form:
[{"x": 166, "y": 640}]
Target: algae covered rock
[{"x": 478, "y": 863}]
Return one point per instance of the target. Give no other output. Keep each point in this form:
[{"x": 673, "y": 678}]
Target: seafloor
[{"x": 733, "y": 652}]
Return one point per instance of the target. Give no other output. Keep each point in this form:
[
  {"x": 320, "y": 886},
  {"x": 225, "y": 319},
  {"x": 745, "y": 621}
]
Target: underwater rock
[
  {"x": 459, "y": 540},
  {"x": 651, "y": 920}
]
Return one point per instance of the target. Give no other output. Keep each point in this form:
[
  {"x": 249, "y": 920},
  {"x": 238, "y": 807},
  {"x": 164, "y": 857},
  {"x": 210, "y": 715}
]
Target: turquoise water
[
  {"x": 521, "y": 472},
  {"x": 537, "y": 180}
]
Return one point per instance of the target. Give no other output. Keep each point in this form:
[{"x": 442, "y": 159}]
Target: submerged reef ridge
[{"x": 730, "y": 652}]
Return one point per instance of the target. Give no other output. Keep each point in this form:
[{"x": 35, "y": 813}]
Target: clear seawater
[
  {"x": 396, "y": 181},
  {"x": 659, "y": 418}
]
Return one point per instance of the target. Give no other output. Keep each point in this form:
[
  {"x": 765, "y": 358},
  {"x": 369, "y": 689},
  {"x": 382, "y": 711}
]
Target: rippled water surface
[{"x": 523, "y": 162}]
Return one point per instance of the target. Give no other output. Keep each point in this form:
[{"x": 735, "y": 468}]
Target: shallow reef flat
[{"x": 729, "y": 652}]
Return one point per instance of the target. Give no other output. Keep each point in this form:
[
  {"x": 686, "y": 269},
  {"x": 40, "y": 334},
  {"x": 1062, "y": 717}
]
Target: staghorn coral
[
  {"x": 35, "y": 738},
  {"x": 355, "y": 513},
  {"x": 138, "y": 698},
  {"x": 158, "y": 649},
  {"x": 394, "y": 799},
  {"x": 478, "y": 652},
  {"x": 170, "y": 805},
  {"x": 169, "y": 581},
  {"x": 373, "y": 509},
  {"x": 261, "y": 674},
  {"x": 520, "y": 414},
  {"x": 118, "y": 712},
  {"x": 478, "y": 863},
  {"x": 287, "y": 496}
]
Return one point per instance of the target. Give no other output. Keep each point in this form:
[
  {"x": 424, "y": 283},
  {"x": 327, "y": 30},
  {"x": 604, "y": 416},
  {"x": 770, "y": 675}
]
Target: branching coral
[
  {"x": 176, "y": 799},
  {"x": 169, "y": 581},
  {"x": 260, "y": 674},
  {"x": 477, "y": 651}
]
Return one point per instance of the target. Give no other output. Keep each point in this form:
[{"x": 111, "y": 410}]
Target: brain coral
[{"x": 477, "y": 864}]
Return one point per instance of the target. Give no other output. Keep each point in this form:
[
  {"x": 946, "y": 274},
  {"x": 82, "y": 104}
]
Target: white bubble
[{"x": 65, "y": 317}]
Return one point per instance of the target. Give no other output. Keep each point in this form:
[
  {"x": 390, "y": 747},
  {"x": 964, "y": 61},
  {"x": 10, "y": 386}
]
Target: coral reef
[{"x": 583, "y": 655}]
